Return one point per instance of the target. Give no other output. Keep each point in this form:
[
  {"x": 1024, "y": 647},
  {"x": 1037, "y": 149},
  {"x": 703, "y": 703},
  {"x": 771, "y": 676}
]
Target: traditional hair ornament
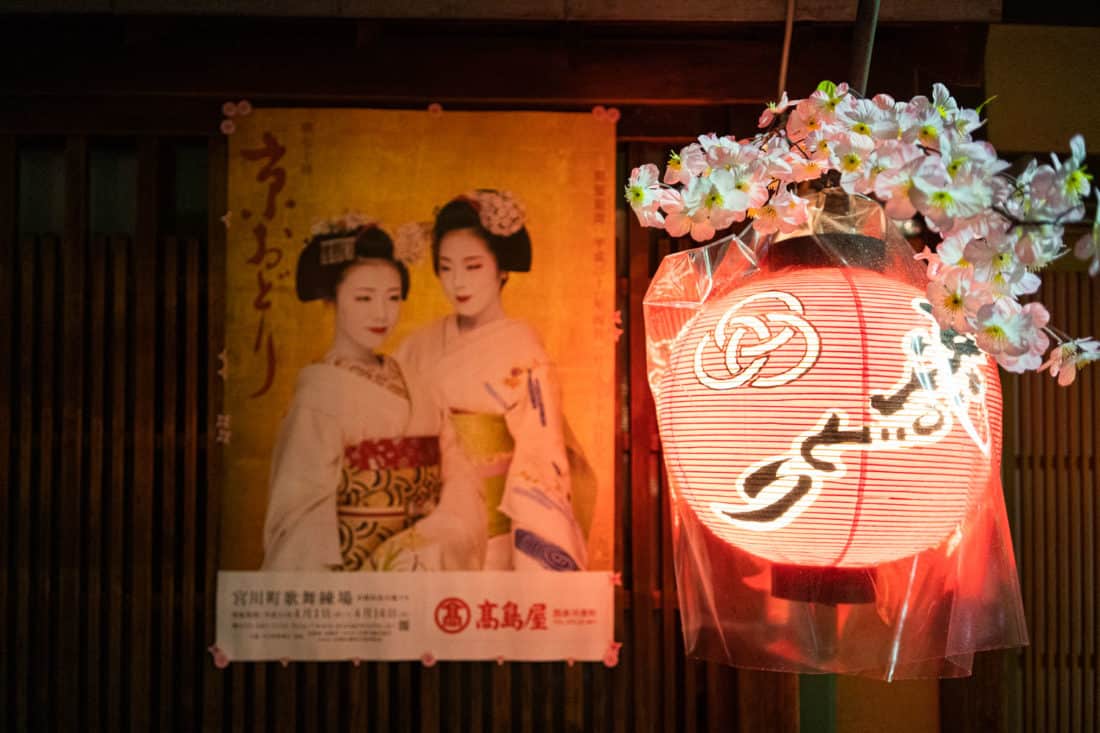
[
  {"x": 339, "y": 234},
  {"x": 501, "y": 213},
  {"x": 914, "y": 157},
  {"x": 345, "y": 224},
  {"x": 411, "y": 240},
  {"x": 335, "y": 251}
]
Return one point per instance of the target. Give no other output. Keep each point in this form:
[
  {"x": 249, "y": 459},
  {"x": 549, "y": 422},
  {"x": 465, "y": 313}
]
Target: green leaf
[
  {"x": 828, "y": 87},
  {"x": 983, "y": 104}
]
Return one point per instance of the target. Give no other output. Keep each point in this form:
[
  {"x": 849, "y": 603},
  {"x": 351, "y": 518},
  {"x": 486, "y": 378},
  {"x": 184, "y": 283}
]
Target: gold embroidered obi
[
  {"x": 485, "y": 440},
  {"x": 385, "y": 486}
]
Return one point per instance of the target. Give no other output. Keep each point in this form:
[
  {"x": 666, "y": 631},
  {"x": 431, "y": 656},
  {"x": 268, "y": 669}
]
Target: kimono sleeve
[
  {"x": 301, "y": 531},
  {"x": 537, "y": 491}
]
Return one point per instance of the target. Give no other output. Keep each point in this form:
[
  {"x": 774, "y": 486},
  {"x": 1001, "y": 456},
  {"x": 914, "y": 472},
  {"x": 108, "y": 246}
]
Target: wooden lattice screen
[
  {"x": 110, "y": 340},
  {"x": 107, "y": 400}
]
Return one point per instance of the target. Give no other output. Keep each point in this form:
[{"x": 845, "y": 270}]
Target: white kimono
[
  {"x": 503, "y": 426},
  {"x": 351, "y": 467}
]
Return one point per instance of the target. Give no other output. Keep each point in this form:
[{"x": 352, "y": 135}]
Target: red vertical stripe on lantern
[{"x": 866, "y": 416}]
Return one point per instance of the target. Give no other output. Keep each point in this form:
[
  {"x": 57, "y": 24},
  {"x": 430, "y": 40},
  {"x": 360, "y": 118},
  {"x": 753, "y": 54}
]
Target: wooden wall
[{"x": 111, "y": 314}]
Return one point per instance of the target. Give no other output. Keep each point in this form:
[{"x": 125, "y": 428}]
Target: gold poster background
[{"x": 397, "y": 167}]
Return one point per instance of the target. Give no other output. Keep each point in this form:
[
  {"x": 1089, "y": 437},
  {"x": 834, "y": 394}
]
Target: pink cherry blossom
[
  {"x": 691, "y": 161},
  {"x": 917, "y": 156},
  {"x": 947, "y": 293},
  {"x": 773, "y": 110},
  {"x": 1068, "y": 358},
  {"x": 805, "y": 120},
  {"x": 785, "y": 213},
  {"x": 921, "y": 123},
  {"x": 1088, "y": 246},
  {"x": 1013, "y": 333},
  {"x": 644, "y": 194},
  {"x": 865, "y": 118},
  {"x": 935, "y": 265}
]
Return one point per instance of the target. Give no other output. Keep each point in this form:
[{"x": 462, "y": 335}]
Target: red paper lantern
[{"x": 820, "y": 418}]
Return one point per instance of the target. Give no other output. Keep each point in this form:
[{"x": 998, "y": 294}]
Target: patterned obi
[
  {"x": 485, "y": 440},
  {"x": 385, "y": 486}
]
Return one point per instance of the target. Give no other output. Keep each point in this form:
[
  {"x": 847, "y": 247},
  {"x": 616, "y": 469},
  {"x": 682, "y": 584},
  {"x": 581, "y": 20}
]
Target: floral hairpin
[
  {"x": 336, "y": 251},
  {"x": 501, "y": 213},
  {"x": 346, "y": 223},
  {"x": 915, "y": 157},
  {"x": 411, "y": 241}
]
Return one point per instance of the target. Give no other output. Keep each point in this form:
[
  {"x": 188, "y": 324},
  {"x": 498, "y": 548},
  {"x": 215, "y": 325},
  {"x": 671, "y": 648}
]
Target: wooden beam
[
  {"x": 744, "y": 11},
  {"x": 665, "y": 88}
]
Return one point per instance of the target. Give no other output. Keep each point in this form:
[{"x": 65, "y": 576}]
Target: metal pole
[
  {"x": 863, "y": 42},
  {"x": 788, "y": 29}
]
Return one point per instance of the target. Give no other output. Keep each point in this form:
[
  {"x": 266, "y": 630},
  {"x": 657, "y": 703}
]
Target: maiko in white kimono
[
  {"x": 356, "y": 462},
  {"x": 503, "y": 425}
]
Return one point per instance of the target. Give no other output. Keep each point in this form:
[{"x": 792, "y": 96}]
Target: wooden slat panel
[
  {"x": 141, "y": 372},
  {"x": 93, "y": 582},
  {"x": 114, "y": 645},
  {"x": 1080, "y": 602},
  {"x": 287, "y": 690},
  {"x": 479, "y": 693},
  {"x": 573, "y": 719},
  {"x": 725, "y": 688},
  {"x": 333, "y": 694},
  {"x": 360, "y": 703},
  {"x": 671, "y": 638},
  {"x": 694, "y": 674},
  {"x": 166, "y": 488},
  {"x": 208, "y": 498},
  {"x": 1059, "y": 409},
  {"x": 1058, "y": 495},
  {"x": 9, "y": 259},
  {"x": 22, "y": 446},
  {"x": 404, "y": 696},
  {"x": 767, "y": 701},
  {"x": 1089, "y": 387},
  {"x": 1012, "y": 472},
  {"x": 644, "y": 651},
  {"x": 44, "y": 470},
  {"x": 1043, "y": 420},
  {"x": 501, "y": 686},
  {"x": 69, "y": 506},
  {"x": 524, "y": 701},
  {"x": 196, "y": 368},
  {"x": 103, "y": 347},
  {"x": 307, "y": 697},
  {"x": 429, "y": 699},
  {"x": 1032, "y": 549}
]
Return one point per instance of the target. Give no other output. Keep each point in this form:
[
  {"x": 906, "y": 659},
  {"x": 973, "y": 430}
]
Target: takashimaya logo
[
  {"x": 748, "y": 340},
  {"x": 452, "y": 615},
  {"x": 943, "y": 384}
]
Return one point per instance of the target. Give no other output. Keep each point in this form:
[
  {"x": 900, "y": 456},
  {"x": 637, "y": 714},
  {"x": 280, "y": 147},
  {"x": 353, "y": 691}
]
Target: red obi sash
[{"x": 392, "y": 453}]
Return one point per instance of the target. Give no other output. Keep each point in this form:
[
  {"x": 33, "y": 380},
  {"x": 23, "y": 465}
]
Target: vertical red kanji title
[{"x": 266, "y": 258}]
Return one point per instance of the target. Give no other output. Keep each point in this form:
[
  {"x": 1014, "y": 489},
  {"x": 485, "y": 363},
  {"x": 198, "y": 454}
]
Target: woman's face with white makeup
[
  {"x": 368, "y": 302},
  {"x": 469, "y": 273}
]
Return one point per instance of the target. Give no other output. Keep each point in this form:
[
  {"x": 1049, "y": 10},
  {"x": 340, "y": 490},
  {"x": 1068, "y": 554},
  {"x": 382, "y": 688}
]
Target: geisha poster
[{"x": 418, "y": 426}]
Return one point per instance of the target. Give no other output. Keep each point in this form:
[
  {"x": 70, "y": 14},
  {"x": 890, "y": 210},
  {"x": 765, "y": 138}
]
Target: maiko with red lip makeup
[
  {"x": 356, "y": 418},
  {"x": 500, "y": 398}
]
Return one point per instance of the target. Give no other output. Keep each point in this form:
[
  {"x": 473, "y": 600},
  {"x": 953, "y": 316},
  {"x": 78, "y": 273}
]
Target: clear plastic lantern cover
[{"x": 834, "y": 455}]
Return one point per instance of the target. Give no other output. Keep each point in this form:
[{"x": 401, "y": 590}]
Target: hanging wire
[
  {"x": 788, "y": 30},
  {"x": 863, "y": 42}
]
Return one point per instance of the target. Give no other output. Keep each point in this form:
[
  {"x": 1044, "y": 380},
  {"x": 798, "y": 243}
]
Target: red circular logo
[{"x": 452, "y": 615}]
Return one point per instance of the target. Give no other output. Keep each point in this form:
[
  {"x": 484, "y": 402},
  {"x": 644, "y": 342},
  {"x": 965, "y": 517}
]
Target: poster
[{"x": 419, "y": 410}]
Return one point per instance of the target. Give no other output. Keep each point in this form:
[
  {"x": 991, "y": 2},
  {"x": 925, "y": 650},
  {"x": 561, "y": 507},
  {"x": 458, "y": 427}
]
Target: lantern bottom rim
[{"x": 828, "y": 585}]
